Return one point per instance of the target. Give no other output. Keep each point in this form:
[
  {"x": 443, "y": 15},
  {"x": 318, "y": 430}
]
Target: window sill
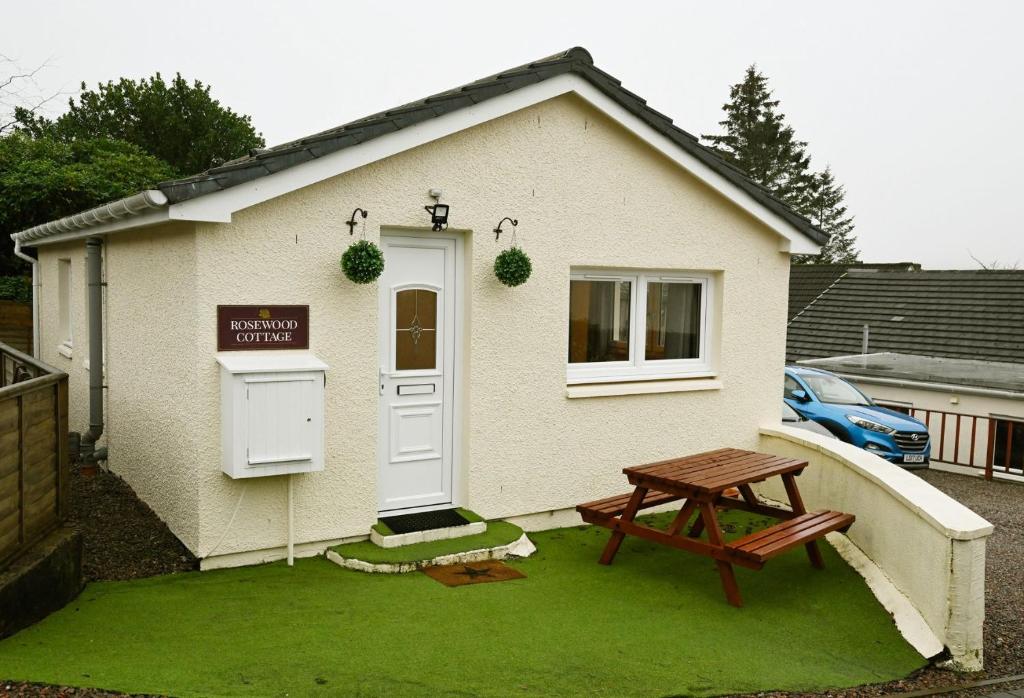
[
  {"x": 64, "y": 350},
  {"x": 685, "y": 385}
]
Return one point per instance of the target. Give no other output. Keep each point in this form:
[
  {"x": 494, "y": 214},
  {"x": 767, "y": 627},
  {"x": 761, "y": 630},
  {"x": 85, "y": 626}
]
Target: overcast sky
[{"x": 917, "y": 106}]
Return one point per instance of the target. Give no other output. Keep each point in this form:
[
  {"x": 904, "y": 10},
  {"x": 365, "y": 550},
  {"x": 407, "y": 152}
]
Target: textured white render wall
[
  {"x": 151, "y": 370},
  {"x": 586, "y": 192},
  {"x": 931, "y": 547},
  {"x": 149, "y": 344},
  {"x": 49, "y": 339}
]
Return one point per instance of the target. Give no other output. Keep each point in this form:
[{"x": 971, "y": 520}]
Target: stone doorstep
[
  {"x": 523, "y": 547},
  {"x": 399, "y": 539}
]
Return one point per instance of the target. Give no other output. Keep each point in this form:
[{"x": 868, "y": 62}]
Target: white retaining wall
[{"x": 931, "y": 547}]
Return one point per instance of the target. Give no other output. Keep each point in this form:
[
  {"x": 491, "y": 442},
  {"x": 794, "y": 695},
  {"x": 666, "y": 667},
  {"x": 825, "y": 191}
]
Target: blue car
[{"x": 851, "y": 415}]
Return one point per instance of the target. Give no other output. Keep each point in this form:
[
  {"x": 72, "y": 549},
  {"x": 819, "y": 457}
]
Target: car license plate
[{"x": 913, "y": 458}]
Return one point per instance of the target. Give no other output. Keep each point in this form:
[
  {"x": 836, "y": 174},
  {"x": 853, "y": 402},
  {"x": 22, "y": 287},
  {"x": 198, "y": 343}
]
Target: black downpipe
[{"x": 94, "y": 275}]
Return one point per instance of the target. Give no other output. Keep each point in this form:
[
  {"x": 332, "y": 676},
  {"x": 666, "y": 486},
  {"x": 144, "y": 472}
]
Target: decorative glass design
[{"x": 415, "y": 330}]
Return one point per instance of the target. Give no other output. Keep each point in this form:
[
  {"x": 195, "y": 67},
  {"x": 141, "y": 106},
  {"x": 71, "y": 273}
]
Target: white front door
[{"x": 417, "y": 368}]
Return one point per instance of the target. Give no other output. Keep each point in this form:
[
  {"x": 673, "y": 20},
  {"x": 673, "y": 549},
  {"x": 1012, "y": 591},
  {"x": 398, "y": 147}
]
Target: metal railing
[
  {"x": 969, "y": 440},
  {"x": 33, "y": 451}
]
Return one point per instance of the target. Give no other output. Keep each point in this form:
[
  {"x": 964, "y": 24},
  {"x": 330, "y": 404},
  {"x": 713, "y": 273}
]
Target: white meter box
[{"x": 272, "y": 413}]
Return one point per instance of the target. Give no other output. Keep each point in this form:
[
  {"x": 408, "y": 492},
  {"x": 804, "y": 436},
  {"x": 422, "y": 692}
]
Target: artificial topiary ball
[
  {"x": 363, "y": 262},
  {"x": 513, "y": 267}
]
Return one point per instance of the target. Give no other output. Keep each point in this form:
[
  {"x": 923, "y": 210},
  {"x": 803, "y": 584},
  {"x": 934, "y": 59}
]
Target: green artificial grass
[
  {"x": 497, "y": 533},
  {"x": 653, "y": 624},
  {"x": 470, "y": 516},
  {"x": 382, "y": 528}
]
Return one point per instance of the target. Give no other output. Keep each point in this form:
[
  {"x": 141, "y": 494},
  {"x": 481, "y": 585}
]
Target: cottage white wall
[
  {"x": 149, "y": 344},
  {"x": 49, "y": 335},
  {"x": 152, "y": 370},
  {"x": 586, "y": 192}
]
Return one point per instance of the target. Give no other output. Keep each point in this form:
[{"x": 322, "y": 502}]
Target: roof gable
[{"x": 217, "y": 193}]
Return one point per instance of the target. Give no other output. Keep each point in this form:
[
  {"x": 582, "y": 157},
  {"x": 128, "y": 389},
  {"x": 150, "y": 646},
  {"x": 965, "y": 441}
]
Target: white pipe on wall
[
  {"x": 35, "y": 295},
  {"x": 291, "y": 523}
]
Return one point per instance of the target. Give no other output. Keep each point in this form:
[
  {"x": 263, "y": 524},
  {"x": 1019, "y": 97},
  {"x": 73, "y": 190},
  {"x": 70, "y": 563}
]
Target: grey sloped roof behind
[
  {"x": 808, "y": 281},
  {"x": 956, "y": 314},
  {"x": 576, "y": 60}
]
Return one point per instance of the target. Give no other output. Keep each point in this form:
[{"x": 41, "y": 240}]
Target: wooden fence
[
  {"x": 33, "y": 451},
  {"x": 984, "y": 442},
  {"x": 16, "y": 325}
]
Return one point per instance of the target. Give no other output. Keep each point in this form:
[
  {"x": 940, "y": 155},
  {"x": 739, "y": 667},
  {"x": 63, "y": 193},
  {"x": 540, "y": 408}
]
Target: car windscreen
[{"x": 834, "y": 390}]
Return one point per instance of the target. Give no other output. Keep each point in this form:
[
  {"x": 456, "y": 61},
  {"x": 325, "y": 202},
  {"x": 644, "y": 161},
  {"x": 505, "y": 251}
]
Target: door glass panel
[
  {"x": 415, "y": 330},
  {"x": 599, "y": 321},
  {"x": 673, "y": 321}
]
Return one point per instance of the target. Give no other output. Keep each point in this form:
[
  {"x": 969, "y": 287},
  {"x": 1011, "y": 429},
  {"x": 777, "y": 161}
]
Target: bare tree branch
[
  {"x": 995, "y": 264},
  {"x": 19, "y": 88}
]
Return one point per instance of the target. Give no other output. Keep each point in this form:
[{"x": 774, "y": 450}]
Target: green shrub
[{"x": 16, "y": 288}]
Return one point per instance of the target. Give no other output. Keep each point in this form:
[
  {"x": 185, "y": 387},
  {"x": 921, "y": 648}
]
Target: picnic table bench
[{"x": 701, "y": 481}]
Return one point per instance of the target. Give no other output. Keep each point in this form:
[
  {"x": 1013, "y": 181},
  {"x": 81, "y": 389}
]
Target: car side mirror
[{"x": 801, "y": 395}]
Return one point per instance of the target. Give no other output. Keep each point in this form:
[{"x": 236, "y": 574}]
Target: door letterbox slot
[{"x": 419, "y": 389}]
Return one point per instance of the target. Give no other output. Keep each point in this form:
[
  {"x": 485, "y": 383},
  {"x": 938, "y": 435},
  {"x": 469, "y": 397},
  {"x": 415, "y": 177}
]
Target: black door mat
[{"x": 424, "y": 521}]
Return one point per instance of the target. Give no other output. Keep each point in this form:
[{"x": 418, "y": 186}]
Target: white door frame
[{"x": 455, "y": 381}]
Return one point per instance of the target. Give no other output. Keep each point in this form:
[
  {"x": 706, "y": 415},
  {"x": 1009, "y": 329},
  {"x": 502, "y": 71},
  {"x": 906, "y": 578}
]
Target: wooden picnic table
[{"x": 702, "y": 481}]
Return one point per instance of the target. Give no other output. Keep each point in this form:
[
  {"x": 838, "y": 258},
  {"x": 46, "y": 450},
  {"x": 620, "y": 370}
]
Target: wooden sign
[{"x": 242, "y": 327}]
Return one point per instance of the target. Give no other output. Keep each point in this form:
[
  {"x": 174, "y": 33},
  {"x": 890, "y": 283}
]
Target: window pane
[
  {"x": 1011, "y": 458},
  {"x": 599, "y": 321},
  {"x": 673, "y": 321},
  {"x": 415, "y": 330}
]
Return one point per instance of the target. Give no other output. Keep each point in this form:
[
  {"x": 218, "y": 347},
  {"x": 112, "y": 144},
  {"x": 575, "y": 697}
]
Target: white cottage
[{"x": 243, "y": 370}]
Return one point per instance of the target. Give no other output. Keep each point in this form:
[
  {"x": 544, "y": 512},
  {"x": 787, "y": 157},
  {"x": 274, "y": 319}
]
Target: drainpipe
[
  {"x": 35, "y": 295},
  {"x": 94, "y": 275}
]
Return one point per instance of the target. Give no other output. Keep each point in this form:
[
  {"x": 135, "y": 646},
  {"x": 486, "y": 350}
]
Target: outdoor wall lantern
[{"x": 438, "y": 216}]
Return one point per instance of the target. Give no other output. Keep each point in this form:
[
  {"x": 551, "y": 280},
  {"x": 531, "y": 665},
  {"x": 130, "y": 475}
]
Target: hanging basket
[
  {"x": 363, "y": 262},
  {"x": 513, "y": 267}
]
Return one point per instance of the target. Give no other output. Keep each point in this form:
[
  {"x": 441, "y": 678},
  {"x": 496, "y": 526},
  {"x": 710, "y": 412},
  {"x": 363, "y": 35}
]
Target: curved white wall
[{"x": 931, "y": 547}]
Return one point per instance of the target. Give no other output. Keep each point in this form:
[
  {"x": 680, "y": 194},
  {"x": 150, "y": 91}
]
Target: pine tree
[
  {"x": 759, "y": 142},
  {"x": 827, "y": 212}
]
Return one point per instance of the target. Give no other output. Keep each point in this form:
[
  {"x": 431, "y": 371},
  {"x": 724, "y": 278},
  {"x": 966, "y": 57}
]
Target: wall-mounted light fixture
[
  {"x": 438, "y": 216},
  {"x": 351, "y": 222},
  {"x": 498, "y": 230}
]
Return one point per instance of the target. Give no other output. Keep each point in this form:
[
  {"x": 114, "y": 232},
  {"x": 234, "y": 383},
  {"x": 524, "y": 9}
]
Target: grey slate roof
[
  {"x": 808, "y": 281},
  {"x": 957, "y": 314},
  {"x": 577, "y": 61},
  {"x": 928, "y": 369}
]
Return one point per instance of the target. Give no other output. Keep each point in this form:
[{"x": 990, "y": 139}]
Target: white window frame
[
  {"x": 65, "y": 318},
  {"x": 637, "y": 367}
]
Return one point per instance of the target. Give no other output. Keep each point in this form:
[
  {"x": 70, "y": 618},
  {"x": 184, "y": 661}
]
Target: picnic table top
[{"x": 713, "y": 471}]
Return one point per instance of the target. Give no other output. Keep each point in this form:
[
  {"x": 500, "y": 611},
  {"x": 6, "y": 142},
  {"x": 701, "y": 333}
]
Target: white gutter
[
  {"x": 935, "y": 387},
  {"x": 35, "y": 295},
  {"x": 126, "y": 208}
]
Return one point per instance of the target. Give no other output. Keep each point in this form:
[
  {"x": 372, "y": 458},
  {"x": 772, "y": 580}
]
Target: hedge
[{"x": 16, "y": 288}]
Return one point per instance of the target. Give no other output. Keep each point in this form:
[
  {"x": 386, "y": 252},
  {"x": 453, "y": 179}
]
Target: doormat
[
  {"x": 472, "y": 573},
  {"x": 424, "y": 521}
]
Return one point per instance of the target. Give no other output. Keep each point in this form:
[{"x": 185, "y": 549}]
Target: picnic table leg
[
  {"x": 612, "y": 546},
  {"x": 748, "y": 494},
  {"x": 797, "y": 503},
  {"x": 698, "y": 525},
  {"x": 725, "y": 571},
  {"x": 683, "y": 517}
]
